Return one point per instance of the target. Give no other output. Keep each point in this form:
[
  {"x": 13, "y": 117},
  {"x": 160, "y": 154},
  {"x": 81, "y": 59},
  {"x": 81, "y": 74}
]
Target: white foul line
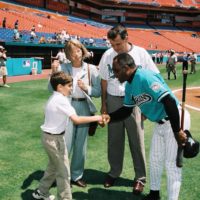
[{"x": 188, "y": 106}]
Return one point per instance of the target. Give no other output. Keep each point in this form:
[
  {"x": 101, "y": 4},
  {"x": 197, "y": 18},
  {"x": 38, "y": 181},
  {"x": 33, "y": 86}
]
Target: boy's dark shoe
[{"x": 38, "y": 195}]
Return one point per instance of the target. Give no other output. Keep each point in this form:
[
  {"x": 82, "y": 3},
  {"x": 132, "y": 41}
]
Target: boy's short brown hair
[{"x": 60, "y": 78}]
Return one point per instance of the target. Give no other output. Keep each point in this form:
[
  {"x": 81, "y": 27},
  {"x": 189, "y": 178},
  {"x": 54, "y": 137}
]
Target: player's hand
[
  {"x": 106, "y": 118},
  {"x": 181, "y": 138}
]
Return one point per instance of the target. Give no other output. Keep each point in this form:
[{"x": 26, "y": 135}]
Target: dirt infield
[{"x": 192, "y": 97}]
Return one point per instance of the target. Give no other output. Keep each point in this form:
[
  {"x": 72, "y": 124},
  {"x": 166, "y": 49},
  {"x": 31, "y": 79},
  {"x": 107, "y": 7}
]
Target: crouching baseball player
[{"x": 150, "y": 93}]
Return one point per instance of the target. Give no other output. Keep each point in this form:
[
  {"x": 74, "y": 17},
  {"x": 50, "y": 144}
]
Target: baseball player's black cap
[{"x": 191, "y": 148}]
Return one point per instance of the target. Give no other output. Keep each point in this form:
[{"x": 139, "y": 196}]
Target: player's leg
[
  {"x": 174, "y": 174},
  {"x": 157, "y": 157}
]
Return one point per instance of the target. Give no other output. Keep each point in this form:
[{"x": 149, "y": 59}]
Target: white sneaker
[
  {"x": 5, "y": 85},
  {"x": 38, "y": 195}
]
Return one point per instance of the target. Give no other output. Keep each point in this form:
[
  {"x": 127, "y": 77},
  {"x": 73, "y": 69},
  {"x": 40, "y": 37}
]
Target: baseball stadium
[{"x": 37, "y": 38}]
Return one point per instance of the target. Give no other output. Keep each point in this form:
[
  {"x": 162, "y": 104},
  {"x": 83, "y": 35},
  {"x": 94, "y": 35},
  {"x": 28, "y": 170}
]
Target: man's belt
[{"x": 78, "y": 99}]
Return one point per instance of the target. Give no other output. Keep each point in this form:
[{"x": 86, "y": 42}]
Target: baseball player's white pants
[{"x": 163, "y": 152}]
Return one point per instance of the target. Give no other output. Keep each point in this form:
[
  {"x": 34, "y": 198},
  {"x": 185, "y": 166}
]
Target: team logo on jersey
[
  {"x": 155, "y": 86},
  {"x": 141, "y": 99},
  {"x": 110, "y": 71}
]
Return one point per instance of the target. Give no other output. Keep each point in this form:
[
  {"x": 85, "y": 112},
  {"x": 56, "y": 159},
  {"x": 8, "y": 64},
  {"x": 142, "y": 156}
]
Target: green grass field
[{"x": 23, "y": 160}]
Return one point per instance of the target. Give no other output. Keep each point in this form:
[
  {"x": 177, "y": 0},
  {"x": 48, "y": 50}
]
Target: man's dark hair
[
  {"x": 59, "y": 78},
  {"x": 124, "y": 59},
  {"x": 117, "y": 30}
]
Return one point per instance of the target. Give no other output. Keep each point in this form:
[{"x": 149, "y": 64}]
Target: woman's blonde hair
[{"x": 69, "y": 46}]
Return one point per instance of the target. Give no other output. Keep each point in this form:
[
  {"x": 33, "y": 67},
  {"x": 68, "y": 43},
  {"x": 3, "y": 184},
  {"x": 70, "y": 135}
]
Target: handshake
[{"x": 105, "y": 120}]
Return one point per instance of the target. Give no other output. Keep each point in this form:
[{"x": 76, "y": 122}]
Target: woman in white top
[{"x": 86, "y": 81}]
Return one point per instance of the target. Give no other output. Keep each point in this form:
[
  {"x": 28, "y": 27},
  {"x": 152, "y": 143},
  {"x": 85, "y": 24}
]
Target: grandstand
[{"x": 157, "y": 25}]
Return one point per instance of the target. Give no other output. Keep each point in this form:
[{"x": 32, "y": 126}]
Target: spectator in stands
[
  {"x": 76, "y": 37},
  {"x": 85, "y": 42},
  {"x": 33, "y": 28},
  {"x": 193, "y": 60},
  {"x": 112, "y": 99},
  {"x": 3, "y": 69},
  {"x": 17, "y": 36},
  {"x": 155, "y": 3},
  {"x": 4, "y": 22},
  {"x": 59, "y": 38},
  {"x": 16, "y": 24},
  {"x": 64, "y": 36},
  {"x": 151, "y": 45},
  {"x": 91, "y": 41},
  {"x": 33, "y": 36},
  {"x": 54, "y": 38},
  {"x": 85, "y": 81},
  {"x": 42, "y": 40},
  {"x": 171, "y": 64},
  {"x": 39, "y": 25}
]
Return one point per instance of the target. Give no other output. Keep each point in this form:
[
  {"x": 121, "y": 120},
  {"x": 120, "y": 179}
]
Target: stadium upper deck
[{"x": 152, "y": 38}]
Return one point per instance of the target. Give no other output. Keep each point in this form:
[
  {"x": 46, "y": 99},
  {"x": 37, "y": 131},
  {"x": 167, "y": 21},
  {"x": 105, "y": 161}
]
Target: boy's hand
[{"x": 105, "y": 120}]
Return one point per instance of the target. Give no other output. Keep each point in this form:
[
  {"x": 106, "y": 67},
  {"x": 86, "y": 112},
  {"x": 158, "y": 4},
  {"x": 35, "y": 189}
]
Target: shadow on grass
[
  {"x": 92, "y": 177},
  {"x": 37, "y": 175},
  {"x": 95, "y": 177},
  {"x": 100, "y": 194}
]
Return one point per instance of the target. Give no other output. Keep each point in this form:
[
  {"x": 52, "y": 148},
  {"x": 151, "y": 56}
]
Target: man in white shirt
[{"x": 112, "y": 98}]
